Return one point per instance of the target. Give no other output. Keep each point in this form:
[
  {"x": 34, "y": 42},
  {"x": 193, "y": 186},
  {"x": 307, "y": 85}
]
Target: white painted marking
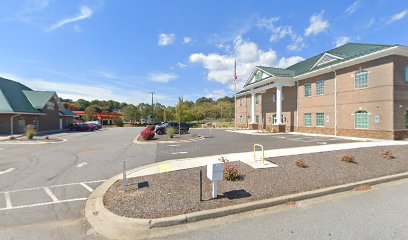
[
  {"x": 86, "y": 187},
  {"x": 52, "y": 196},
  {"x": 8, "y": 200},
  {"x": 59, "y": 185},
  {"x": 6, "y": 171},
  {"x": 321, "y": 143},
  {"x": 43, "y": 204},
  {"x": 81, "y": 164},
  {"x": 174, "y": 145},
  {"x": 179, "y": 153}
]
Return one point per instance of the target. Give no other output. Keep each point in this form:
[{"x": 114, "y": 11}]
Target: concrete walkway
[{"x": 248, "y": 157}]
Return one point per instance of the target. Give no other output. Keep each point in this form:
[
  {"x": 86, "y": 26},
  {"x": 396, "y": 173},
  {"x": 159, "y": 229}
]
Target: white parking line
[
  {"x": 52, "y": 196},
  {"x": 8, "y": 201},
  {"x": 179, "y": 153},
  {"x": 43, "y": 204},
  {"x": 86, "y": 187},
  {"x": 6, "y": 171},
  {"x": 174, "y": 145},
  {"x": 81, "y": 164}
]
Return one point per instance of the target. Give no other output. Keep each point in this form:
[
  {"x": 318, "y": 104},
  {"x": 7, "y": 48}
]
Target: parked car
[
  {"x": 83, "y": 127},
  {"x": 97, "y": 124},
  {"x": 162, "y": 129}
]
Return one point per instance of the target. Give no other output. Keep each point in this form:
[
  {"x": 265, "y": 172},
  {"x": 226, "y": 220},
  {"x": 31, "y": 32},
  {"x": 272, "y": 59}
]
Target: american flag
[{"x": 235, "y": 71}]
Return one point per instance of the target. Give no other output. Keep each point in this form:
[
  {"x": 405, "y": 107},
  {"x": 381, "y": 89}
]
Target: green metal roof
[
  {"x": 340, "y": 54},
  {"x": 346, "y": 52},
  {"x": 38, "y": 99},
  {"x": 278, "y": 72},
  {"x": 13, "y": 97},
  {"x": 67, "y": 112}
]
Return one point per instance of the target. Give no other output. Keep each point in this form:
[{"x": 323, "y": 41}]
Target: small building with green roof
[
  {"x": 356, "y": 89},
  {"x": 21, "y": 106}
]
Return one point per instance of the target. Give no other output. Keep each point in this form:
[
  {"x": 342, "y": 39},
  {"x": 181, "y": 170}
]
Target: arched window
[
  {"x": 406, "y": 74},
  {"x": 361, "y": 79},
  {"x": 361, "y": 120}
]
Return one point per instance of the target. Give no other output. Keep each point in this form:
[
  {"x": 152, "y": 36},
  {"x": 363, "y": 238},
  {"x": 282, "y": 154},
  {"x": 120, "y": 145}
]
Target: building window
[
  {"x": 308, "y": 90},
  {"x": 361, "y": 80},
  {"x": 406, "y": 119},
  {"x": 257, "y": 119},
  {"x": 241, "y": 120},
  {"x": 256, "y": 99},
  {"x": 307, "y": 119},
  {"x": 406, "y": 74},
  {"x": 320, "y": 87},
  {"x": 36, "y": 124},
  {"x": 274, "y": 96},
  {"x": 361, "y": 120},
  {"x": 21, "y": 125},
  {"x": 319, "y": 119}
]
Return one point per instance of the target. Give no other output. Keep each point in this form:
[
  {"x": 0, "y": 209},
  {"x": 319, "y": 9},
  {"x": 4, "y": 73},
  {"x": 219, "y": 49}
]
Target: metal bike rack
[{"x": 263, "y": 155}]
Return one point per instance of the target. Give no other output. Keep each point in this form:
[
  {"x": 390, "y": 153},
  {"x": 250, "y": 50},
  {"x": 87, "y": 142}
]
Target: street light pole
[{"x": 152, "y": 116}]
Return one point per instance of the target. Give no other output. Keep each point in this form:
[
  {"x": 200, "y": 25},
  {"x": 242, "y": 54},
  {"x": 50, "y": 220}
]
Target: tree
[
  {"x": 72, "y": 107},
  {"x": 131, "y": 113},
  {"x": 180, "y": 110},
  {"x": 90, "y": 112},
  {"x": 145, "y": 110},
  {"x": 204, "y": 100},
  {"x": 82, "y": 104}
]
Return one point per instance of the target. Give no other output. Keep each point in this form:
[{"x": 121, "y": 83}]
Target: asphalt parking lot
[
  {"x": 50, "y": 182},
  {"x": 218, "y": 142}
]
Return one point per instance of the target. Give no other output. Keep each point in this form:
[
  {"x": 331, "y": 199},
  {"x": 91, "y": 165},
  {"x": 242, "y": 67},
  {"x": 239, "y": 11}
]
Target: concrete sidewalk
[{"x": 248, "y": 157}]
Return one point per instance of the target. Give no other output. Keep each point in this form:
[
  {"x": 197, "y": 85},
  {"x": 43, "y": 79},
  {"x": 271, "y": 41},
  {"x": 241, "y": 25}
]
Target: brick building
[
  {"x": 21, "y": 106},
  {"x": 356, "y": 90}
]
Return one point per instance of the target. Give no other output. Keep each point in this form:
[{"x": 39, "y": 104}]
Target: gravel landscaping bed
[
  {"x": 174, "y": 193},
  {"x": 165, "y": 137}
]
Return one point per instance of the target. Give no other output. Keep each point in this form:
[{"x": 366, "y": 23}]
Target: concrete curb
[
  {"x": 135, "y": 141},
  {"x": 111, "y": 225}
]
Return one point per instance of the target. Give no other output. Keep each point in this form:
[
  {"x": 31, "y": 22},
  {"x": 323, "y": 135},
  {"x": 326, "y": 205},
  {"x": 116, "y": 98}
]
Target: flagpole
[{"x": 235, "y": 94}]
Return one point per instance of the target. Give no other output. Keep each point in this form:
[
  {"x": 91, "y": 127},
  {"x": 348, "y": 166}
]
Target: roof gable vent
[{"x": 326, "y": 58}]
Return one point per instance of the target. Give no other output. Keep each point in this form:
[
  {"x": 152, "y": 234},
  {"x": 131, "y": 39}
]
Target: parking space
[
  {"x": 219, "y": 141},
  {"x": 40, "y": 196}
]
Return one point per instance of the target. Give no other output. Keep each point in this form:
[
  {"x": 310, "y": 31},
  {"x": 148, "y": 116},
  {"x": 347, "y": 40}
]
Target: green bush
[
  {"x": 171, "y": 131},
  {"x": 30, "y": 131}
]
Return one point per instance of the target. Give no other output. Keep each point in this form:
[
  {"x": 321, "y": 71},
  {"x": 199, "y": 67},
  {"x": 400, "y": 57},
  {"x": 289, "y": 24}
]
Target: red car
[{"x": 83, "y": 127}]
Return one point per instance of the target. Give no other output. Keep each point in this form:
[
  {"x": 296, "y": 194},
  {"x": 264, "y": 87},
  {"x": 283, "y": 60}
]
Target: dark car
[
  {"x": 83, "y": 127},
  {"x": 162, "y": 129}
]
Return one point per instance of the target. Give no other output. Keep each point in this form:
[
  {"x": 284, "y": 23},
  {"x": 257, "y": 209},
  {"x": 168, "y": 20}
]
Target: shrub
[
  {"x": 348, "y": 158},
  {"x": 148, "y": 133},
  {"x": 301, "y": 163},
  {"x": 47, "y": 138},
  {"x": 231, "y": 172},
  {"x": 12, "y": 138},
  {"x": 387, "y": 154},
  {"x": 171, "y": 131},
  {"x": 269, "y": 129},
  {"x": 30, "y": 131}
]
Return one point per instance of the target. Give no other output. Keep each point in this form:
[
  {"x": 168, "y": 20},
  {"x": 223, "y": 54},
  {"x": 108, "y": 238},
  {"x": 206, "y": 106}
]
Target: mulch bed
[
  {"x": 165, "y": 137},
  {"x": 174, "y": 193}
]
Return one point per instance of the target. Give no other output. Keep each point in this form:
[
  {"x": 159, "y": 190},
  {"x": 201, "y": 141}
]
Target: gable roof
[
  {"x": 38, "y": 99},
  {"x": 13, "y": 99},
  {"x": 334, "y": 56}
]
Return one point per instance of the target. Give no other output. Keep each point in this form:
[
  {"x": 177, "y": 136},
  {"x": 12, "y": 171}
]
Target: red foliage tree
[{"x": 148, "y": 133}]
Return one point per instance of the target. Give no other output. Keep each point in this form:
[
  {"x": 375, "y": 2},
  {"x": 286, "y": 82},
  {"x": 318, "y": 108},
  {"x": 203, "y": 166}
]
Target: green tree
[
  {"x": 82, "y": 104},
  {"x": 131, "y": 114},
  {"x": 180, "y": 110},
  {"x": 90, "y": 112}
]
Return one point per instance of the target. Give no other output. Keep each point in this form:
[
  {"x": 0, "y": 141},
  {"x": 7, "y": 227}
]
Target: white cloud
[
  {"x": 84, "y": 13},
  {"x": 220, "y": 68},
  {"x": 187, "y": 40},
  {"x": 370, "y": 23},
  {"x": 267, "y": 23},
  {"x": 162, "y": 77},
  {"x": 90, "y": 91},
  {"x": 342, "y": 40},
  {"x": 216, "y": 94},
  {"x": 286, "y": 62},
  {"x": 297, "y": 44},
  {"x": 397, "y": 16},
  {"x": 353, "y": 7},
  {"x": 181, "y": 65},
  {"x": 105, "y": 74},
  {"x": 317, "y": 25},
  {"x": 166, "y": 39}
]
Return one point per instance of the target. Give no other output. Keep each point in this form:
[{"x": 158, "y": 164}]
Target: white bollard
[{"x": 124, "y": 180}]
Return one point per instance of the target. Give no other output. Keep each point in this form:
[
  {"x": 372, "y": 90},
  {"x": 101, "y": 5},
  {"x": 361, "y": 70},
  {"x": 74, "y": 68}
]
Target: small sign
[
  {"x": 215, "y": 171},
  {"x": 377, "y": 119}
]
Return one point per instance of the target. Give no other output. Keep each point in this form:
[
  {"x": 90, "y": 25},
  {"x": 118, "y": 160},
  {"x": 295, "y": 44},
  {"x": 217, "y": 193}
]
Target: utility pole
[{"x": 152, "y": 115}]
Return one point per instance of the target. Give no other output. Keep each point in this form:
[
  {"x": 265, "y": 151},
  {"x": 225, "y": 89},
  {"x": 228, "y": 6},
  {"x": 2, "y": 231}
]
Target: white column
[
  {"x": 253, "y": 108},
  {"x": 278, "y": 104}
]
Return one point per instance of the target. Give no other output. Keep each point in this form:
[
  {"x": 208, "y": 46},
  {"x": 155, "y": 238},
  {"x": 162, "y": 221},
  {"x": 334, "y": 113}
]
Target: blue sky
[{"x": 121, "y": 50}]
